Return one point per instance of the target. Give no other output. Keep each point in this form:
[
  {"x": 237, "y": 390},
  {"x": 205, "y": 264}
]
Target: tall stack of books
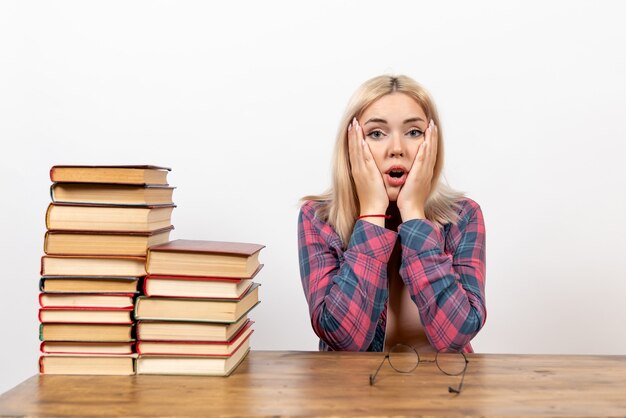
[
  {"x": 100, "y": 223},
  {"x": 193, "y": 315}
]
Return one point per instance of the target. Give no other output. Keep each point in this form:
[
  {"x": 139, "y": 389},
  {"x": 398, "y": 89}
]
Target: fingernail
[
  {"x": 432, "y": 123},
  {"x": 349, "y": 126}
]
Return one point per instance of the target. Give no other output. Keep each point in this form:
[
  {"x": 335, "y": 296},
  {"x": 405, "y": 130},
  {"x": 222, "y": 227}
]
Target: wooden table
[{"x": 278, "y": 383}]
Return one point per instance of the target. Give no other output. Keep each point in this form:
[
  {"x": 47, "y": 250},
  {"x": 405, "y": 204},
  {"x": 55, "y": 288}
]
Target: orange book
[
  {"x": 195, "y": 309},
  {"x": 87, "y": 364},
  {"x": 204, "y": 258},
  {"x": 103, "y": 242},
  {"x": 111, "y": 194},
  {"x": 119, "y": 218},
  {"x": 116, "y": 174},
  {"x": 59, "y": 265}
]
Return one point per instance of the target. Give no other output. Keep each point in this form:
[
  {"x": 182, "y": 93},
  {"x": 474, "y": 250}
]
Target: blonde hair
[{"x": 340, "y": 203}]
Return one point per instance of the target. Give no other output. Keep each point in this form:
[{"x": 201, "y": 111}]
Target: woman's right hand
[{"x": 370, "y": 187}]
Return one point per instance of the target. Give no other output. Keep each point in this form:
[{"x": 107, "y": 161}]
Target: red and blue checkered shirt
[{"x": 443, "y": 269}]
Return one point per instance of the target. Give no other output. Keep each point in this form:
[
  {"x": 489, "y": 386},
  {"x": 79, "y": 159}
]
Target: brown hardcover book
[
  {"x": 86, "y": 300},
  {"x": 86, "y": 332},
  {"x": 103, "y": 243},
  {"x": 74, "y": 347},
  {"x": 204, "y": 258},
  {"x": 195, "y": 348},
  {"x": 57, "y": 265},
  {"x": 111, "y": 194},
  {"x": 192, "y": 309},
  {"x": 120, "y": 174},
  {"x": 86, "y": 315},
  {"x": 87, "y": 364},
  {"x": 75, "y": 217},
  {"x": 88, "y": 284},
  {"x": 189, "y": 331},
  {"x": 192, "y": 365}
]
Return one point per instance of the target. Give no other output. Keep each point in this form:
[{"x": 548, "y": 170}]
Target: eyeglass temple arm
[
  {"x": 373, "y": 376},
  {"x": 458, "y": 391}
]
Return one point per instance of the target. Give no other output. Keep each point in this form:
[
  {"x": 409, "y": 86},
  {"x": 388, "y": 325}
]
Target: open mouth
[{"x": 396, "y": 173}]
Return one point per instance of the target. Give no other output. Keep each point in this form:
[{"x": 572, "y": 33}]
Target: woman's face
[{"x": 393, "y": 127}]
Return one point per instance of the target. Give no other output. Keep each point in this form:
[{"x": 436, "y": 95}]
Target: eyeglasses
[{"x": 404, "y": 359}]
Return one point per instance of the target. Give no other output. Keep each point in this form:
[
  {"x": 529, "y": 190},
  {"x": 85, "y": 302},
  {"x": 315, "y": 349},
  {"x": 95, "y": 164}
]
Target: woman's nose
[{"x": 396, "y": 148}]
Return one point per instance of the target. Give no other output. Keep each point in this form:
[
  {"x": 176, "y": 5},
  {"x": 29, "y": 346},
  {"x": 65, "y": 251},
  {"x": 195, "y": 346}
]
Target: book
[
  {"x": 204, "y": 258},
  {"x": 86, "y": 300},
  {"x": 86, "y": 364},
  {"x": 118, "y": 174},
  {"x": 189, "y": 331},
  {"x": 88, "y": 284},
  {"x": 192, "y": 309},
  {"x": 103, "y": 242},
  {"x": 57, "y": 265},
  {"x": 86, "y": 315},
  {"x": 74, "y": 347},
  {"x": 85, "y": 332},
  {"x": 192, "y": 365},
  {"x": 111, "y": 194},
  {"x": 88, "y": 217},
  {"x": 198, "y": 287},
  {"x": 194, "y": 348}
]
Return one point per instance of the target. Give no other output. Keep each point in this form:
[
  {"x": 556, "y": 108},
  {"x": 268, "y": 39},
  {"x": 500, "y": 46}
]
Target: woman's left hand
[{"x": 415, "y": 191}]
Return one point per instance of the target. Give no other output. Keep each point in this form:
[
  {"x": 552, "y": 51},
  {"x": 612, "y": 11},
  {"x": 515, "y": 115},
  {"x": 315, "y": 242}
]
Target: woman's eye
[
  {"x": 375, "y": 134},
  {"x": 415, "y": 133}
]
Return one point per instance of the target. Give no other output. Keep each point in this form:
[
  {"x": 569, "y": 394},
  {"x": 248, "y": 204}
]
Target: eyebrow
[{"x": 379, "y": 120}]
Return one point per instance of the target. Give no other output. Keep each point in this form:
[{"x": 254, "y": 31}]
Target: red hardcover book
[
  {"x": 86, "y": 300},
  {"x": 77, "y": 347},
  {"x": 196, "y": 348},
  {"x": 197, "y": 286},
  {"x": 79, "y": 315}
]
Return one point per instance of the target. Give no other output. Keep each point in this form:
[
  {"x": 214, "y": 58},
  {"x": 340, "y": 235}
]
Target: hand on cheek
[
  {"x": 417, "y": 188},
  {"x": 369, "y": 183}
]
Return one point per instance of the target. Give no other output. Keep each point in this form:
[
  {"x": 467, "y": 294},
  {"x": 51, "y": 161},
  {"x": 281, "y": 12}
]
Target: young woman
[{"x": 390, "y": 254}]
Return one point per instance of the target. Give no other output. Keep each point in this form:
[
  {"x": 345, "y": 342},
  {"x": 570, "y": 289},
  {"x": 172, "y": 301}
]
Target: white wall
[{"x": 242, "y": 100}]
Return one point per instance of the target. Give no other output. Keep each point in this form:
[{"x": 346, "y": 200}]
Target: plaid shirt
[{"x": 347, "y": 290}]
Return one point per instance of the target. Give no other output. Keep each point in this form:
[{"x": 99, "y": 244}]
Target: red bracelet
[{"x": 374, "y": 216}]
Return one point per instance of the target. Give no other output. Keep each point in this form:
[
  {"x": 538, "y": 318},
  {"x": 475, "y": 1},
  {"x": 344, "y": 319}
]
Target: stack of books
[
  {"x": 193, "y": 316},
  {"x": 100, "y": 223}
]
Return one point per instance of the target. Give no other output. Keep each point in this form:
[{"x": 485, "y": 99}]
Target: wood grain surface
[{"x": 279, "y": 383}]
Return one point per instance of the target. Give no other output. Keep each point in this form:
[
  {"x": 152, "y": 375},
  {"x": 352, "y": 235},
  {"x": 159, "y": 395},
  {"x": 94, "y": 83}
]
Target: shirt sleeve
[
  {"x": 446, "y": 277},
  {"x": 346, "y": 291}
]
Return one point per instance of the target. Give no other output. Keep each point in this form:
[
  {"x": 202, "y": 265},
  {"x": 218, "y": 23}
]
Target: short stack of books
[
  {"x": 193, "y": 315},
  {"x": 100, "y": 223}
]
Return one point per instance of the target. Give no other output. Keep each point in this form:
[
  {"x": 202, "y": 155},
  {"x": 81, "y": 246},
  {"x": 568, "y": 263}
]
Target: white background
[{"x": 242, "y": 100}]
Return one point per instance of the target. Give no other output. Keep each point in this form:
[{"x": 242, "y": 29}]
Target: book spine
[
  {"x": 145, "y": 285},
  {"x": 52, "y": 191},
  {"x": 40, "y": 332},
  {"x": 42, "y": 268},
  {"x": 41, "y": 371},
  {"x": 41, "y": 284},
  {"x": 50, "y": 206},
  {"x": 45, "y": 243},
  {"x": 52, "y": 174}
]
